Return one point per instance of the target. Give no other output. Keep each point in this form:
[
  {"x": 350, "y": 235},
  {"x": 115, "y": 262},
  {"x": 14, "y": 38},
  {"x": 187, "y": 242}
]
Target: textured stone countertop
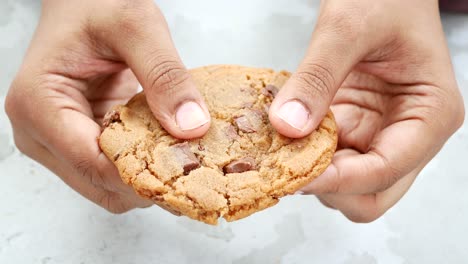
[{"x": 44, "y": 221}]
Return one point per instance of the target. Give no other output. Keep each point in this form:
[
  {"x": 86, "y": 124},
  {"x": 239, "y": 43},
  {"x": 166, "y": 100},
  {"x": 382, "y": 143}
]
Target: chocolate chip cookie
[{"x": 242, "y": 165}]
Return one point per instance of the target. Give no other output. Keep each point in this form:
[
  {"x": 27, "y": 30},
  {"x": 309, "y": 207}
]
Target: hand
[
  {"x": 78, "y": 65},
  {"x": 384, "y": 68}
]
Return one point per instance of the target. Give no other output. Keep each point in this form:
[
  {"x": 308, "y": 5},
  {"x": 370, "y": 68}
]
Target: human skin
[
  {"x": 382, "y": 66},
  {"x": 85, "y": 57},
  {"x": 385, "y": 69}
]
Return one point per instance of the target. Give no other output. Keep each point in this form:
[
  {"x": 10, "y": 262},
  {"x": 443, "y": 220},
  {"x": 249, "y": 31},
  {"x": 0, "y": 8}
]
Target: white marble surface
[{"x": 44, "y": 221}]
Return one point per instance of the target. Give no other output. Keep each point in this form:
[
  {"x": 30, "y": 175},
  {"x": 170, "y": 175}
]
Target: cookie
[{"x": 241, "y": 166}]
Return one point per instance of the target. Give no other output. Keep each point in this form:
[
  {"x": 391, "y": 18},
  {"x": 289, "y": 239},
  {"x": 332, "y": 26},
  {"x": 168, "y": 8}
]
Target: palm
[
  {"x": 377, "y": 121},
  {"x": 367, "y": 108},
  {"x": 85, "y": 103},
  {"x": 107, "y": 91}
]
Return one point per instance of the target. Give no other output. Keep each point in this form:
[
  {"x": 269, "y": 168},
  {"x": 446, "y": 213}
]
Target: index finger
[{"x": 396, "y": 151}]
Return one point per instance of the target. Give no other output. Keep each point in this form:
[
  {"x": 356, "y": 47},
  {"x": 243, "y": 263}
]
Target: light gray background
[{"x": 44, "y": 221}]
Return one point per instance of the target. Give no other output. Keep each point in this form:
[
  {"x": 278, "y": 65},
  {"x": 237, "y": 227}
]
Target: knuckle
[
  {"x": 325, "y": 203},
  {"x": 334, "y": 185},
  {"x": 165, "y": 74},
  {"x": 390, "y": 178},
  {"x": 333, "y": 188},
  {"x": 363, "y": 217},
  {"x": 458, "y": 114},
  {"x": 315, "y": 80},
  {"x": 386, "y": 182},
  {"x": 22, "y": 100},
  {"x": 366, "y": 212},
  {"x": 14, "y": 106},
  {"x": 447, "y": 112},
  {"x": 128, "y": 16},
  {"x": 10, "y": 105},
  {"x": 460, "y": 118},
  {"x": 346, "y": 22},
  {"x": 22, "y": 146},
  {"x": 85, "y": 167},
  {"x": 27, "y": 145},
  {"x": 12, "y": 101},
  {"x": 112, "y": 203},
  {"x": 388, "y": 174},
  {"x": 128, "y": 25},
  {"x": 128, "y": 7}
]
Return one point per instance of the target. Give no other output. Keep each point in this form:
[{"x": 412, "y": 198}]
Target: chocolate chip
[
  {"x": 249, "y": 90},
  {"x": 270, "y": 90},
  {"x": 259, "y": 114},
  {"x": 187, "y": 159},
  {"x": 231, "y": 132},
  {"x": 201, "y": 147},
  {"x": 111, "y": 117},
  {"x": 251, "y": 121},
  {"x": 244, "y": 124},
  {"x": 247, "y": 105},
  {"x": 240, "y": 165}
]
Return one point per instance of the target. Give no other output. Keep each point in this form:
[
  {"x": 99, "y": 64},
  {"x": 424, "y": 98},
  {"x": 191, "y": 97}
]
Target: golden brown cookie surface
[{"x": 242, "y": 165}]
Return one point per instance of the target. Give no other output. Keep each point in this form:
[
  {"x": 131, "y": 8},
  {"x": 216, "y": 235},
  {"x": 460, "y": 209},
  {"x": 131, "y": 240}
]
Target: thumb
[
  {"x": 147, "y": 47},
  {"x": 306, "y": 97}
]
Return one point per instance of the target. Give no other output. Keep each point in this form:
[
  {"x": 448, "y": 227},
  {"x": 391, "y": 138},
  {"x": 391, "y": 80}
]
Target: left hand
[
  {"x": 384, "y": 68},
  {"x": 85, "y": 57}
]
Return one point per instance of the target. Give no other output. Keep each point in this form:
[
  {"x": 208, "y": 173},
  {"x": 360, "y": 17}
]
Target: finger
[
  {"x": 328, "y": 205},
  {"x": 145, "y": 44},
  {"x": 358, "y": 108},
  {"x": 67, "y": 131},
  {"x": 337, "y": 45},
  {"x": 366, "y": 208},
  {"x": 393, "y": 155},
  {"x": 356, "y": 127},
  {"x": 116, "y": 197},
  {"x": 101, "y": 107},
  {"x": 118, "y": 85},
  {"x": 109, "y": 91}
]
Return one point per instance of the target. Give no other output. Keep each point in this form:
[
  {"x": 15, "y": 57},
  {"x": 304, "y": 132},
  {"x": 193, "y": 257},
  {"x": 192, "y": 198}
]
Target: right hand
[
  {"x": 85, "y": 57},
  {"x": 385, "y": 70}
]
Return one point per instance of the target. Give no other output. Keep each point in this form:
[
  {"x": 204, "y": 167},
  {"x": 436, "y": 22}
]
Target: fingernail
[
  {"x": 299, "y": 193},
  {"x": 190, "y": 115},
  {"x": 295, "y": 114}
]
